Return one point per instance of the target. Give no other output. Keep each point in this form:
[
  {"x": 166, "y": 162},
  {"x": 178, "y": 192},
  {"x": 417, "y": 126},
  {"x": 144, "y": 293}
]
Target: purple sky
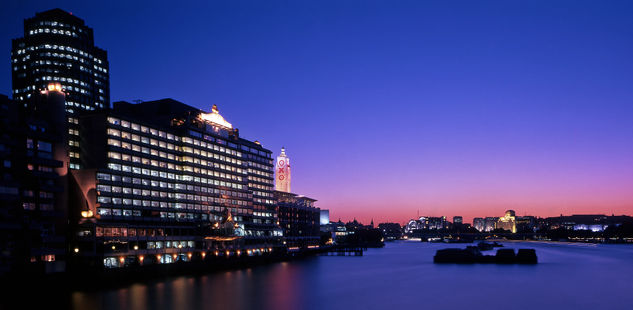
[{"x": 390, "y": 107}]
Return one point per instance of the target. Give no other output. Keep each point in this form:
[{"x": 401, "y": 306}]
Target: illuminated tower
[
  {"x": 59, "y": 48},
  {"x": 282, "y": 169}
]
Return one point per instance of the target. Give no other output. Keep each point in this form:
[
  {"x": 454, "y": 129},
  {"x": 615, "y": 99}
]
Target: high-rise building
[
  {"x": 162, "y": 181},
  {"x": 58, "y": 47},
  {"x": 282, "y": 171},
  {"x": 33, "y": 193}
]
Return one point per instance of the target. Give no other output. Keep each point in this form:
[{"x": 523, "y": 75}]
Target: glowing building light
[
  {"x": 86, "y": 213},
  {"x": 54, "y": 87},
  {"x": 282, "y": 171},
  {"x": 215, "y": 118}
]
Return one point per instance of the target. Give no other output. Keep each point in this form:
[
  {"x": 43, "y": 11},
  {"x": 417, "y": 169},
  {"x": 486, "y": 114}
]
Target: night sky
[{"x": 389, "y": 107}]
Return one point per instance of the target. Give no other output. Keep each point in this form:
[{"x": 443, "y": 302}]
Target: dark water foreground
[{"x": 401, "y": 275}]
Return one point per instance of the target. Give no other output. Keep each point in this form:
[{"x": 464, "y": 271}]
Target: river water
[{"x": 399, "y": 276}]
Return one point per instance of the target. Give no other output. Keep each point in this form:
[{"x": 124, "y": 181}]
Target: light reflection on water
[{"x": 568, "y": 276}]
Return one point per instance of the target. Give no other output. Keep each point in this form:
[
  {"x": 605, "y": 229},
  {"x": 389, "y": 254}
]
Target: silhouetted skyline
[{"x": 389, "y": 108}]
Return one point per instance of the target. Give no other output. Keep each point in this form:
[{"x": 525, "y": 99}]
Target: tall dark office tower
[
  {"x": 58, "y": 47},
  {"x": 33, "y": 195}
]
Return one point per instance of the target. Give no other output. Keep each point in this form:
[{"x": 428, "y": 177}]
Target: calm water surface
[{"x": 401, "y": 275}]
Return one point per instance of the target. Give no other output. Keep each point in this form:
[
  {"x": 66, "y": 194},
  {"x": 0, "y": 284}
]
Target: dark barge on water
[{"x": 472, "y": 254}]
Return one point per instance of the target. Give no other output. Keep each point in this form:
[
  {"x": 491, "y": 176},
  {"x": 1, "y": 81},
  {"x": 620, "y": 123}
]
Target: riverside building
[
  {"x": 33, "y": 184},
  {"x": 299, "y": 218},
  {"x": 162, "y": 181},
  {"x": 57, "y": 47}
]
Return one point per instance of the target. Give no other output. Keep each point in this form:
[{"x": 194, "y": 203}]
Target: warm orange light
[
  {"x": 204, "y": 254},
  {"x": 238, "y": 252},
  {"x": 228, "y": 253},
  {"x": 122, "y": 259},
  {"x": 215, "y": 118},
  {"x": 158, "y": 256},
  {"x": 54, "y": 87},
  {"x": 189, "y": 255},
  {"x": 86, "y": 213},
  {"x": 141, "y": 258}
]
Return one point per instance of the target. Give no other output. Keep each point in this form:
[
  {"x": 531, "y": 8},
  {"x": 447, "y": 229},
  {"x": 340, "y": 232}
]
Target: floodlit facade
[
  {"x": 160, "y": 182},
  {"x": 479, "y": 223},
  {"x": 508, "y": 221},
  {"x": 282, "y": 171}
]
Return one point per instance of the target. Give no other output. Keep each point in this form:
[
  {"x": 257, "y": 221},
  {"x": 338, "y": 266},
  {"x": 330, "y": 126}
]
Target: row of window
[
  {"x": 125, "y": 231},
  {"x": 261, "y": 173},
  {"x": 168, "y": 146},
  {"x": 54, "y": 31},
  {"x": 172, "y": 176},
  {"x": 166, "y": 215},
  {"x": 59, "y": 24},
  {"x": 163, "y": 184},
  {"x": 162, "y": 164},
  {"x": 33, "y": 206},
  {"x": 103, "y": 189},
  {"x": 259, "y": 186},
  {"x": 66, "y": 86},
  {"x": 159, "y": 133},
  {"x": 103, "y": 199}
]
